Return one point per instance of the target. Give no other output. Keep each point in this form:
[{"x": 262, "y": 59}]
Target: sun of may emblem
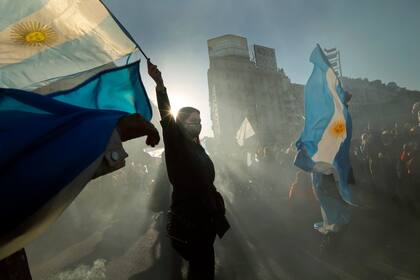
[
  {"x": 33, "y": 34},
  {"x": 338, "y": 128}
]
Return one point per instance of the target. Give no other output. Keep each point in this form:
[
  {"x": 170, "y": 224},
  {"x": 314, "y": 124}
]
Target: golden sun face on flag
[
  {"x": 338, "y": 128},
  {"x": 33, "y": 34}
]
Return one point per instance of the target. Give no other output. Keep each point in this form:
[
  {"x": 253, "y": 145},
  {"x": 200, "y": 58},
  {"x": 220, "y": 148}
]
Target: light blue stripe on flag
[
  {"x": 20, "y": 8},
  {"x": 45, "y": 145},
  {"x": 119, "y": 89}
]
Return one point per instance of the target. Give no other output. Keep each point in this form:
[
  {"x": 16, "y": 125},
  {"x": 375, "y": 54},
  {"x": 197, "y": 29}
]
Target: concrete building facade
[{"x": 241, "y": 86}]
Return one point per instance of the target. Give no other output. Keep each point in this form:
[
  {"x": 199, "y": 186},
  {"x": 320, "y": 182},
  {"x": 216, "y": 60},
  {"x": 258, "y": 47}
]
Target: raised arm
[
  {"x": 161, "y": 95},
  {"x": 171, "y": 133}
]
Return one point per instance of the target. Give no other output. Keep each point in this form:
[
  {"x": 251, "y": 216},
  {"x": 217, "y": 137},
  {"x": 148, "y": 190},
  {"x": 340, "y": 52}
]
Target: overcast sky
[{"x": 378, "y": 39}]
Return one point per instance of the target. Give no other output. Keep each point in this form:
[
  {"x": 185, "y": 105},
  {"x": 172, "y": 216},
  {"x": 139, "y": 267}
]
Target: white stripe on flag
[{"x": 330, "y": 143}]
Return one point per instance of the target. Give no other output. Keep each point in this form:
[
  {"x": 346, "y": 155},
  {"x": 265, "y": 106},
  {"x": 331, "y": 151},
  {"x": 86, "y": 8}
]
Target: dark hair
[{"x": 184, "y": 113}]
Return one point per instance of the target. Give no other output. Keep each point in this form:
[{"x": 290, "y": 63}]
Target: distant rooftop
[{"x": 228, "y": 45}]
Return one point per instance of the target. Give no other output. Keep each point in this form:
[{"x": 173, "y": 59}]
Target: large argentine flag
[
  {"x": 44, "y": 40},
  {"x": 325, "y": 141},
  {"x": 51, "y": 146}
]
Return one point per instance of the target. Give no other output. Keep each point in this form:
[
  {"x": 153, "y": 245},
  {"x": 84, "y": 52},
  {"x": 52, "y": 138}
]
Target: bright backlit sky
[{"x": 378, "y": 39}]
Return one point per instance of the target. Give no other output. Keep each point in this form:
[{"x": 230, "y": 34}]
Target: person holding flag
[
  {"x": 197, "y": 211},
  {"x": 323, "y": 147}
]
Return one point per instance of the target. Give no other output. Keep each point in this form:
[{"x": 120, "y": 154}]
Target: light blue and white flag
[
  {"x": 324, "y": 144},
  {"x": 42, "y": 41}
]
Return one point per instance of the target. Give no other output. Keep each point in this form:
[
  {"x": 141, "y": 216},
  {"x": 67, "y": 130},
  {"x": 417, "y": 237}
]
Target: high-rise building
[{"x": 242, "y": 87}]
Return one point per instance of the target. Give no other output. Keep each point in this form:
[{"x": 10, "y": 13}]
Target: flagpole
[{"x": 125, "y": 30}]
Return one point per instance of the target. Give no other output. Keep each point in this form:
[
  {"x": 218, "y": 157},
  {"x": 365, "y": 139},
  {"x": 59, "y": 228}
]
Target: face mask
[{"x": 193, "y": 129}]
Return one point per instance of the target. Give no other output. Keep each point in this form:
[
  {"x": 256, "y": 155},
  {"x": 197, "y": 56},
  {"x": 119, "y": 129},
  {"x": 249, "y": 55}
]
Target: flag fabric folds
[
  {"x": 118, "y": 89},
  {"x": 42, "y": 41},
  {"x": 48, "y": 141},
  {"x": 323, "y": 147}
]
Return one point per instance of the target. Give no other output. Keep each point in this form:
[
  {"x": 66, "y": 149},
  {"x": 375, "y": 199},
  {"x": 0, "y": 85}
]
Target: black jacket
[{"x": 190, "y": 171}]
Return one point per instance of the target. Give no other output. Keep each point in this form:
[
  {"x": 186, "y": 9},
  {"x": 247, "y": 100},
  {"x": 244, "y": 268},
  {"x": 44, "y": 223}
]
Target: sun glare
[
  {"x": 177, "y": 102},
  {"x": 174, "y": 112}
]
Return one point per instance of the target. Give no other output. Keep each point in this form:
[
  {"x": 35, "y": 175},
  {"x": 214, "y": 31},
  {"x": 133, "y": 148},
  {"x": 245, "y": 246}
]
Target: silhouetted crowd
[{"x": 387, "y": 162}]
